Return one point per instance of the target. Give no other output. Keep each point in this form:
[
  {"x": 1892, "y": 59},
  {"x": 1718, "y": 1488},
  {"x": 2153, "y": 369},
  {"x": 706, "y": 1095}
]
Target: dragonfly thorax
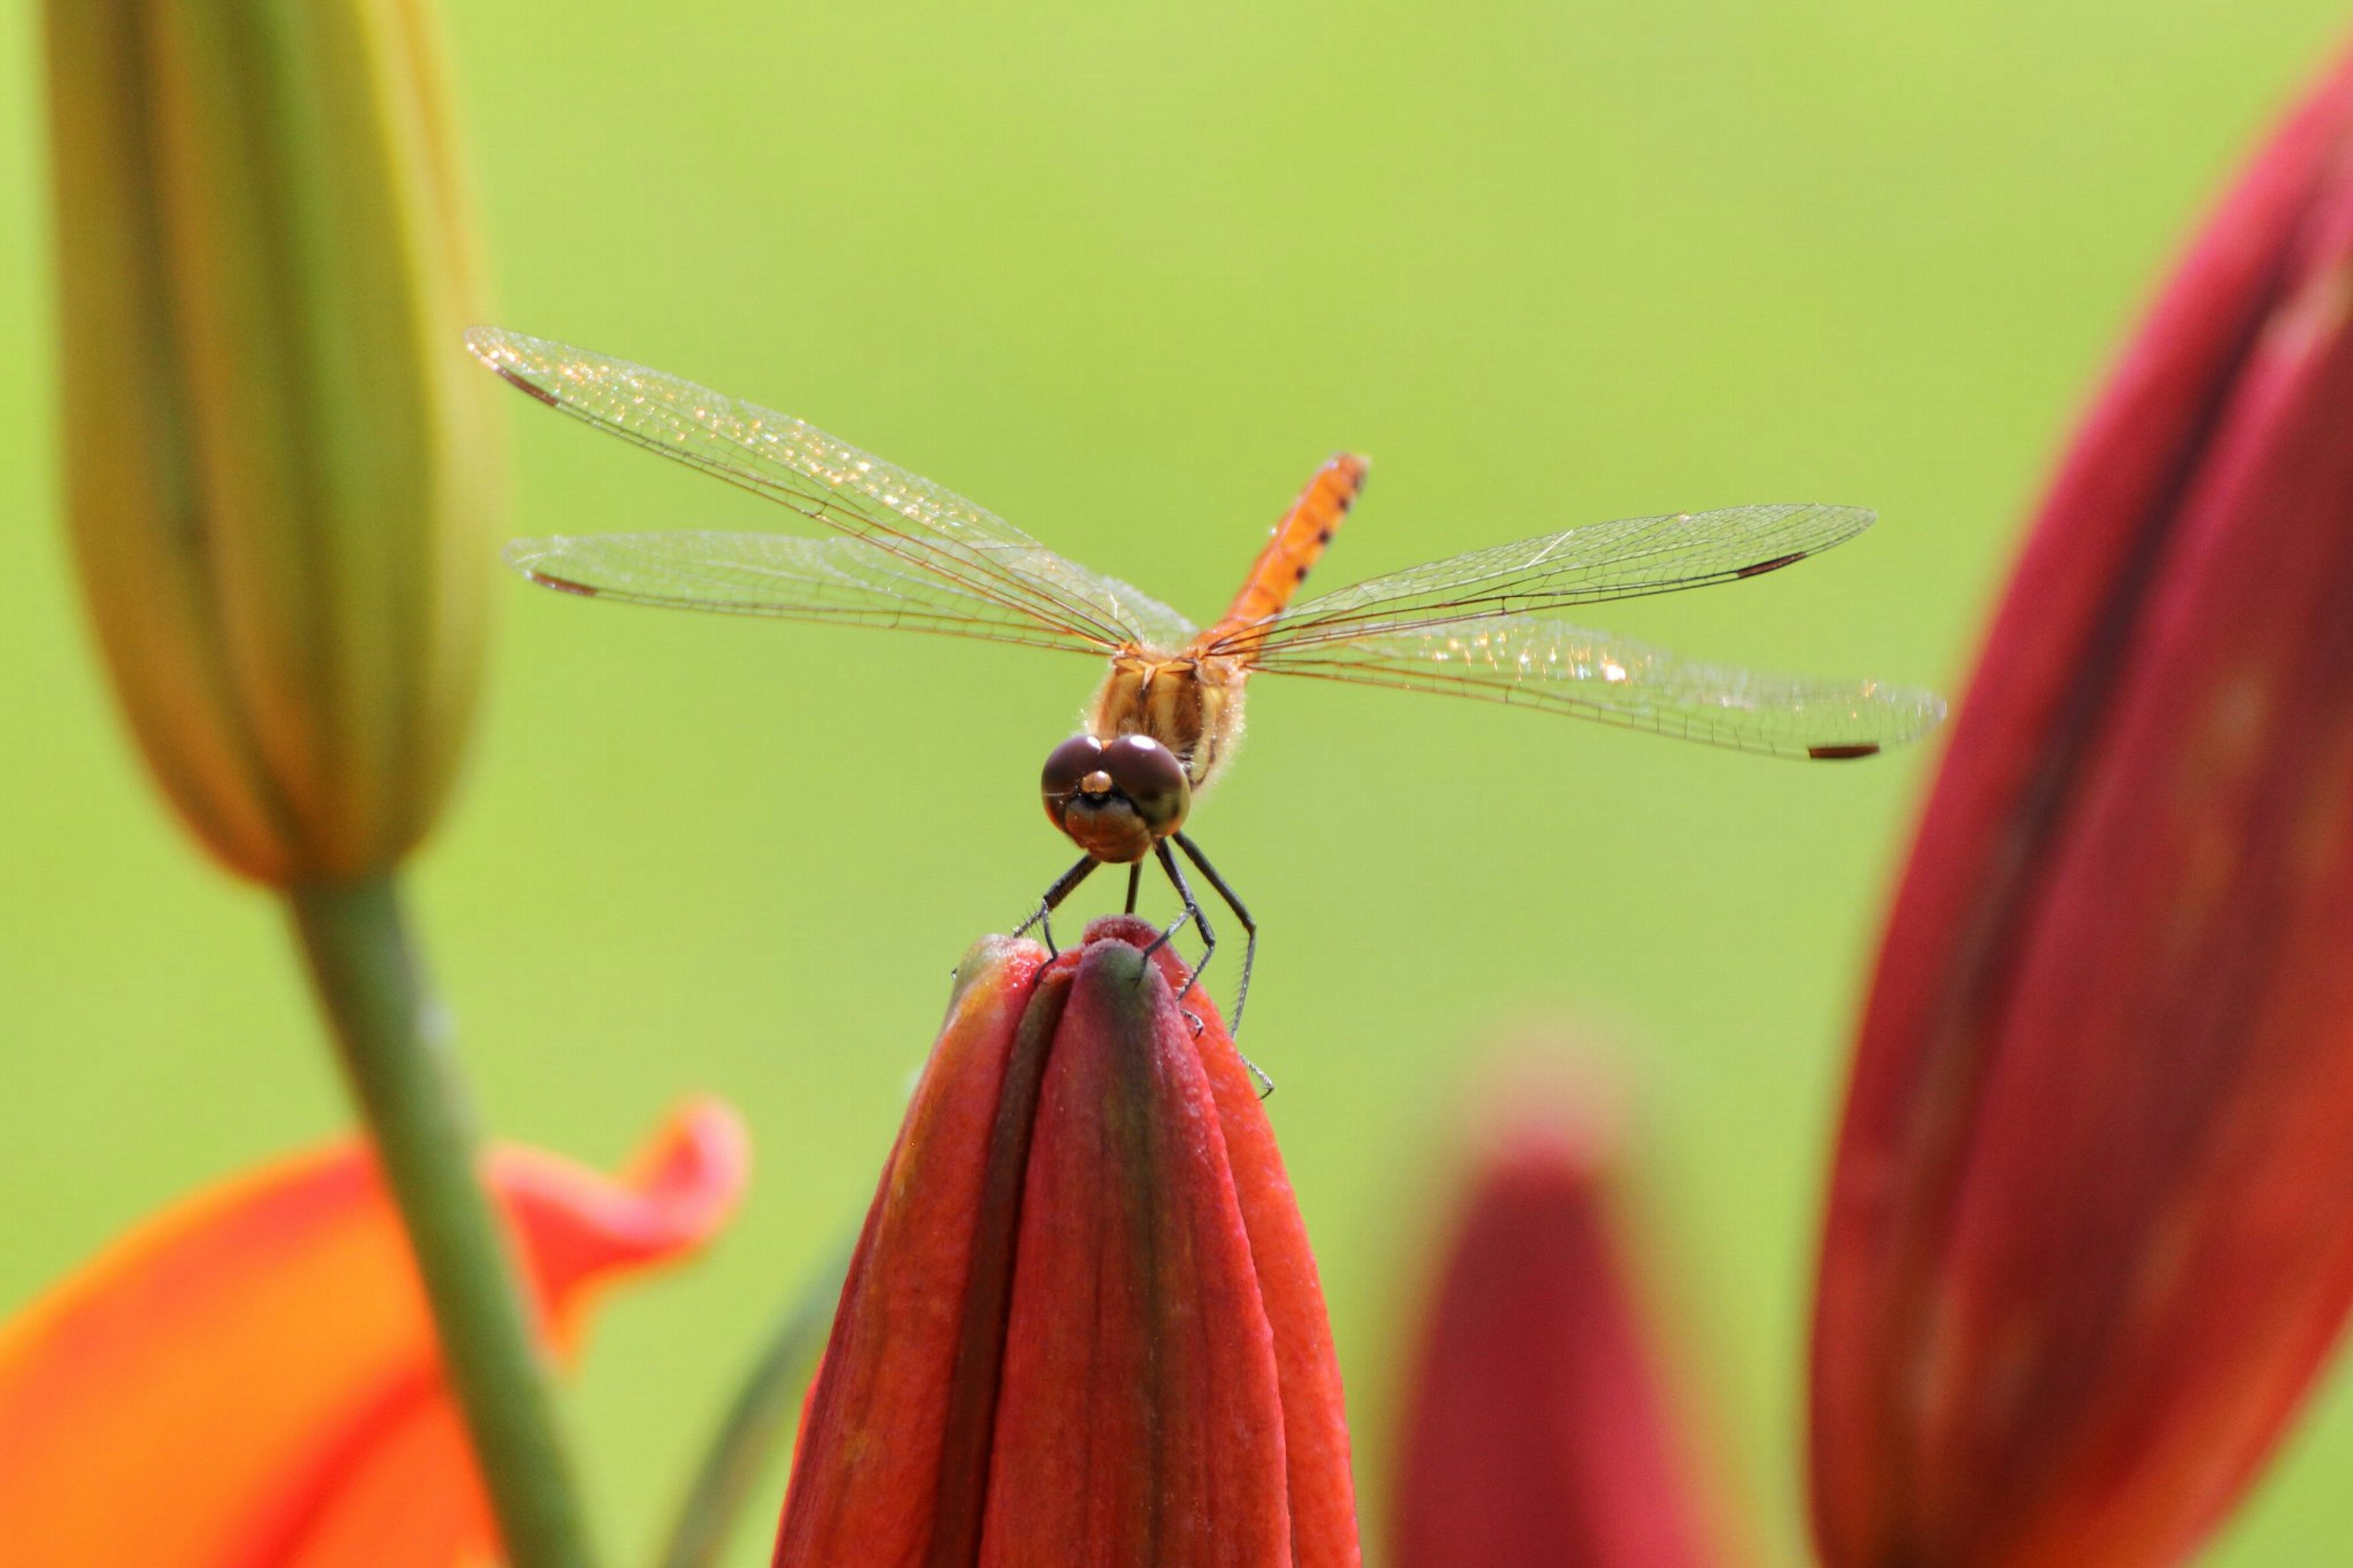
[{"x": 1191, "y": 703}]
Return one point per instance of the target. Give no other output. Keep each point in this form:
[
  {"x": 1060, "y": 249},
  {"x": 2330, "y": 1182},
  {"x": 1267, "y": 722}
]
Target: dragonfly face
[
  {"x": 903, "y": 552},
  {"x": 1116, "y": 800}
]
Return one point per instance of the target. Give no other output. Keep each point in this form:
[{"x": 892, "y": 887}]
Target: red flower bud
[
  {"x": 2091, "y": 1226},
  {"x": 1083, "y": 1324},
  {"x": 1540, "y": 1429}
]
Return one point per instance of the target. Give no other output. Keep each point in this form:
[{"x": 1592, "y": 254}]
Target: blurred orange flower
[
  {"x": 1083, "y": 1324},
  {"x": 250, "y": 1380},
  {"x": 2091, "y": 1226}
]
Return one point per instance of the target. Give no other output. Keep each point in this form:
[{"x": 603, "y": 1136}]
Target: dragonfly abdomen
[{"x": 1298, "y": 543}]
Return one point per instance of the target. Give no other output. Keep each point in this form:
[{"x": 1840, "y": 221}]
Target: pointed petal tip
[
  {"x": 1133, "y": 930},
  {"x": 669, "y": 1200},
  {"x": 995, "y": 964},
  {"x": 1551, "y": 1101},
  {"x": 1142, "y": 935},
  {"x": 694, "y": 1167},
  {"x": 990, "y": 952}
]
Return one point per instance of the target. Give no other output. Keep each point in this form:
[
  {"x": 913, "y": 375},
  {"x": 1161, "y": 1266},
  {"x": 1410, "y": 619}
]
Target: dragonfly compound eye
[
  {"x": 1149, "y": 774},
  {"x": 1115, "y": 801},
  {"x": 1067, "y": 768}
]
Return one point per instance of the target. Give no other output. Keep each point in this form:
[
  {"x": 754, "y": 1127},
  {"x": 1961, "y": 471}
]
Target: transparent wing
[
  {"x": 846, "y": 581},
  {"x": 1587, "y": 566},
  {"x": 1548, "y": 664},
  {"x": 925, "y": 526}
]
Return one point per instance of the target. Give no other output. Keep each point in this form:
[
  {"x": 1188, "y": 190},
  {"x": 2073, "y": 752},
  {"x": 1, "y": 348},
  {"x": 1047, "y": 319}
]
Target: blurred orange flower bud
[
  {"x": 249, "y": 1380},
  {"x": 280, "y": 471},
  {"x": 2091, "y": 1225},
  {"x": 1540, "y": 1427},
  {"x": 1083, "y": 1324}
]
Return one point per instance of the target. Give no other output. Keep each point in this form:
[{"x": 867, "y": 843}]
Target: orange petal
[{"x": 250, "y": 1380}]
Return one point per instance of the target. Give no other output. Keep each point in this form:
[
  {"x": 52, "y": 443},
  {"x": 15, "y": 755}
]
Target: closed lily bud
[
  {"x": 2091, "y": 1225},
  {"x": 1083, "y": 1324},
  {"x": 279, "y": 470},
  {"x": 1541, "y": 1427}
]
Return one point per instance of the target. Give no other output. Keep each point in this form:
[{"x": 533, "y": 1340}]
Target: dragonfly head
[{"x": 1116, "y": 798}]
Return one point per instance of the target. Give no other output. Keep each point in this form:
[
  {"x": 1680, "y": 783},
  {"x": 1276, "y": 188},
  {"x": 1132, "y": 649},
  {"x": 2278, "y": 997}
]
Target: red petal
[
  {"x": 1314, "y": 1416},
  {"x": 900, "y": 1386},
  {"x": 2087, "y": 1237},
  {"x": 1111, "y": 1388},
  {"x": 1141, "y": 1421},
  {"x": 1539, "y": 1430},
  {"x": 249, "y": 1380}
]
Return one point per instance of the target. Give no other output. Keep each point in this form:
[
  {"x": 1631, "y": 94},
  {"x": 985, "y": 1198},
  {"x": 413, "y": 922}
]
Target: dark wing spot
[
  {"x": 561, "y": 584},
  {"x": 1324, "y": 536},
  {"x": 1840, "y": 753},
  {"x": 1761, "y": 567},
  {"x": 540, "y": 393},
  {"x": 1302, "y": 575}
]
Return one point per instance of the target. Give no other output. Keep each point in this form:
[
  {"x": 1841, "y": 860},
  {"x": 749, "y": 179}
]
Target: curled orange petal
[{"x": 249, "y": 1379}]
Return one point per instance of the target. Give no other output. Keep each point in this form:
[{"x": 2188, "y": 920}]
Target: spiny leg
[
  {"x": 1064, "y": 887},
  {"x": 1135, "y": 876},
  {"x": 1249, "y": 926},
  {"x": 1168, "y": 930},
  {"x": 1192, "y": 912},
  {"x": 1249, "y": 953}
]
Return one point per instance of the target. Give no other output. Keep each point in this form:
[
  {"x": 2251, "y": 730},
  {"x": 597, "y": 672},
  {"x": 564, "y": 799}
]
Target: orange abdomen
[{"x": 1298, "y": 543}]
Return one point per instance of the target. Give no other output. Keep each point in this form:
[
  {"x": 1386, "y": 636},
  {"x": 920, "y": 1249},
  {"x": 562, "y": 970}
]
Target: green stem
[
  {"x": 747, "y": 1440},
  {"x": 395, "y": 1050}
]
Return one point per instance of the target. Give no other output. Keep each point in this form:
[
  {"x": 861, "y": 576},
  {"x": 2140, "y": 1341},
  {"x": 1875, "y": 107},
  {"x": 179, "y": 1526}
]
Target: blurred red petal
[
  {"x": 1539, "y": 1429},
  {"x": 2091, "y": 1227},
  {"x": 249, "y": 1379}
]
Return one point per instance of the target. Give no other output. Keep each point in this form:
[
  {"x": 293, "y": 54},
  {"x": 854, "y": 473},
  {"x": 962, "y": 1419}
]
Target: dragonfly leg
[
  {"x": 1193, "y": 912},
  {"x": 1134, "y": 877},
  {"x": 1173, "y": 927},
  {"x": 1064, "y": 887},
  {"x": 1250, "y": 932}
]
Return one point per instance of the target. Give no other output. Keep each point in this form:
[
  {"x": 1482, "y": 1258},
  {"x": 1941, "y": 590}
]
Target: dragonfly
[{"x": 906, "y": 553}]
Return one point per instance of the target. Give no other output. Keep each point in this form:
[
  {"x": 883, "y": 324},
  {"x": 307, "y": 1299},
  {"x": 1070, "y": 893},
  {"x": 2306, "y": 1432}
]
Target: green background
[{"x": 1125, "y": 274}]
